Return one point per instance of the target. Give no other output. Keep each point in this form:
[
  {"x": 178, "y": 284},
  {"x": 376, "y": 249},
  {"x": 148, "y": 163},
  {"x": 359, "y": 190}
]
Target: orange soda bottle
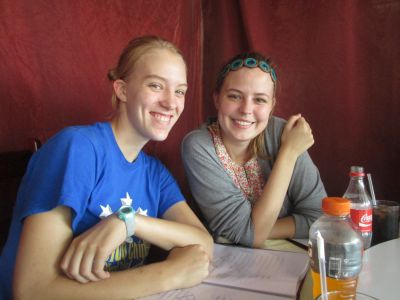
[{"x": 343, "y": 248}]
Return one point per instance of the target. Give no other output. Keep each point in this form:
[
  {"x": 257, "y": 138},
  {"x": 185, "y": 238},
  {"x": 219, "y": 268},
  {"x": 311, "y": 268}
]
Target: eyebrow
[
  {"x": 151, "y": 76},
  {"x": 262, "y": 94},
  {"x": 240, "y": 92}
]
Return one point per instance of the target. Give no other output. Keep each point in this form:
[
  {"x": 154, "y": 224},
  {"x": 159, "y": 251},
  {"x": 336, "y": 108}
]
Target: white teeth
[
  {"x": 162, "y": 118},
  {"x": 243, "y": 123}
]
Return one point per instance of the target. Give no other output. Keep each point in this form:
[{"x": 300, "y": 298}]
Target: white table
[{"x": 381, "y": 271}]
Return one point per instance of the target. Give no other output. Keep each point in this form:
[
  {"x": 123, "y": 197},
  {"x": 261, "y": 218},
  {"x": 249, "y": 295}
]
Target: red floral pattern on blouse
[{"x": 247, "y": 177}]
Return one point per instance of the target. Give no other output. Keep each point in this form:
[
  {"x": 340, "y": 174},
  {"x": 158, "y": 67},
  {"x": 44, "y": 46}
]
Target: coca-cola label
[{"x": 362, "y": 218}]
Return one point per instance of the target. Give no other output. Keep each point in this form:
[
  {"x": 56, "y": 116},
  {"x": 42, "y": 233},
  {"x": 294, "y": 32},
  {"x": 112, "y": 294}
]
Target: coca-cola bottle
[{"x": 361, "y": 209}]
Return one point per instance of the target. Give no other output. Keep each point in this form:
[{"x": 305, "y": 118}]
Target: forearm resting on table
[
  {"x": 284, "y": 228},
  {"x": 46, "y": 237},
  {"x": 38, "y": 275},
  {"x": 169, "y": 234},
  {"x": 129, "y": 284},
  {"x": 268, "y": 206}
]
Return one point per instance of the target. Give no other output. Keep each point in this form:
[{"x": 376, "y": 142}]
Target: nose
[
  {"x": 246, "y": 107},
  {"x": 168, "y": 100}
]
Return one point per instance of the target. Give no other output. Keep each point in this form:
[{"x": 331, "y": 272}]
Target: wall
[
  {"x": 338, "y": 63},
  {"x": 55, "y": 56}
]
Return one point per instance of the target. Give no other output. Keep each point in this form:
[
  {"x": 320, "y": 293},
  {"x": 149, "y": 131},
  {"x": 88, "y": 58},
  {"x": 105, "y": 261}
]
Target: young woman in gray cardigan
[{"x": 248, "y": 171}]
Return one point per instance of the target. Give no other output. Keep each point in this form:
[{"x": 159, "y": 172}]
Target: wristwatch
[{"x": 127, "y": 214}]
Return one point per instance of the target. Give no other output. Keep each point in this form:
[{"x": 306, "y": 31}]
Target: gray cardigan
[{"x": 225, "y": 210}]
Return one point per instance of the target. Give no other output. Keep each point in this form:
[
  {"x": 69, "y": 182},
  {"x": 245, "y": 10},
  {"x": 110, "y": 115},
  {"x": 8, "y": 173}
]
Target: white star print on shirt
[
  {"x": 106, "y": 211},
  {"x": 142, "y": 212},
  {"x": 127, "y": 201}
]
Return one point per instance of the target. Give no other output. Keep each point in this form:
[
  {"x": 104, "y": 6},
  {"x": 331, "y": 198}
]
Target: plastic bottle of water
[
  {"x": 343, "y": 248},
  {"x": 361, "y": 209}
]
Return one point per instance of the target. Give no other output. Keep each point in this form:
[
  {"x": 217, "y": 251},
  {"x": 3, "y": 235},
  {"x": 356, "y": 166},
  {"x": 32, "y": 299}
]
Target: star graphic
[
  {"x": 142, "y": 212},
  {"x": 127, "y": 201},
  {"x": 106, "y": 211}
]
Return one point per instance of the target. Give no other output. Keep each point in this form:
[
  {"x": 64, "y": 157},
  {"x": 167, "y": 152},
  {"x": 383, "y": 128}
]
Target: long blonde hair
[{"x": 135, "y": 49}]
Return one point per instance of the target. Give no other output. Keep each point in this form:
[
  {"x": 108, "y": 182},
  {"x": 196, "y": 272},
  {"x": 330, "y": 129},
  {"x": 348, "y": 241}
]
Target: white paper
[
  {"x": 238, "y": 273},
  {"x": 276, "y": 272},
  {"x": 210, "y": 292}
]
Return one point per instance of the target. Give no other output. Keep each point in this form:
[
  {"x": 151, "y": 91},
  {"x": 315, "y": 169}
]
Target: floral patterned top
[{"x": 247, "y": 177}]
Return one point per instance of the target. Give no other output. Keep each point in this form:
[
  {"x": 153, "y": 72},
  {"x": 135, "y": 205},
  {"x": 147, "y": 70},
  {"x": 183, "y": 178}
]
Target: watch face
[{"x": 126, "y": 209}]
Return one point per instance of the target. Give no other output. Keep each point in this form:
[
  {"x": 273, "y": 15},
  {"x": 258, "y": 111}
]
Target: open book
[{"x": 243, "y": 273}]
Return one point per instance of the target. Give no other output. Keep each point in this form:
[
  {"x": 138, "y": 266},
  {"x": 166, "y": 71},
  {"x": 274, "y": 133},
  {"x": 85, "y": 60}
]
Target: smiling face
[
  {"x": 154, "y": 94},
  {"x": 244, "y": 103}
]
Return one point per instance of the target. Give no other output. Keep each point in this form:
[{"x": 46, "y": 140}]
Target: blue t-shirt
[{"x": 83, "y": 168}]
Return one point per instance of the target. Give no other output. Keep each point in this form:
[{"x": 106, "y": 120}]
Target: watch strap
[{"x": 127, "y": 214}]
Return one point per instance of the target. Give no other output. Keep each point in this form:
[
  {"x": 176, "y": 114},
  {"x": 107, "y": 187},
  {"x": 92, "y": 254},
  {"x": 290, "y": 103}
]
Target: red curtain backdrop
[
  {"x": 55, "y": 55},
  {"x": 338, "y": 63}
]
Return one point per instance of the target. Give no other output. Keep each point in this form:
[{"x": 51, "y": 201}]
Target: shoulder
[
  {"x": 273, "y": 134},
  {"x": 197, "y": 139},
  {"x": 74, "y": 141},
  {"x": 198, "y": 145},
  {"x": 149, "y": 160},
  {"x": 151, "y": 165},
  {"x": 275, "y": 126},
  {"x": 79, "y": 135},
  {"x": 198, "y": 136},
  {"x": 198, "y": 151}
]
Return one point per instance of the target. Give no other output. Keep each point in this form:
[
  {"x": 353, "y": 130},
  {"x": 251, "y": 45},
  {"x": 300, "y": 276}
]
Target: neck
[
  {"x": 238, "y": 152},
  {"x": 128, "y": 140}
]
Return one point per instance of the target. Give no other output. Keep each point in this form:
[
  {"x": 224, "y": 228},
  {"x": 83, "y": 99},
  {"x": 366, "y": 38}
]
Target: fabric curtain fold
[{"x": 337, "y": 62}]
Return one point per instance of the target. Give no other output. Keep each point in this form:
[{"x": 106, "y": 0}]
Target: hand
[
  {"x": 86, "y": 255},
  {"x": 188, "y": 265},
  {"x": 297, "y": 135}
]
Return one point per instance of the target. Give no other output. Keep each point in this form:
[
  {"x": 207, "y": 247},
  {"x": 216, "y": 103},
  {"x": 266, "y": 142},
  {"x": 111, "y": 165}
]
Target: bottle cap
[
  {"x": 336, "y": 206},
  {"x": 356, "y": 171}
]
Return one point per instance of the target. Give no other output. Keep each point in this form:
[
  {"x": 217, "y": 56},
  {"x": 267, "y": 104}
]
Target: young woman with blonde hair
[
  {"x": 248, "y": 171},
  {"x": 92, "y": 202}
]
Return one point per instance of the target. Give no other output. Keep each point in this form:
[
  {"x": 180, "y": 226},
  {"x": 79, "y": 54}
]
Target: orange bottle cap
[{"x": 336, "y": 206}]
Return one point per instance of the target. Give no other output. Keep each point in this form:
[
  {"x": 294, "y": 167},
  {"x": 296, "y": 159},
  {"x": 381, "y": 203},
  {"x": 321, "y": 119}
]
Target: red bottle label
[{"x": 362, "y": 218}]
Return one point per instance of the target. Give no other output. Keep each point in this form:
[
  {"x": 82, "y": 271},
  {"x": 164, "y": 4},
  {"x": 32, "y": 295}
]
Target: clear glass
[
  {"x": 385, "y": 221},
  {"x": 337, "y": 295}
]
